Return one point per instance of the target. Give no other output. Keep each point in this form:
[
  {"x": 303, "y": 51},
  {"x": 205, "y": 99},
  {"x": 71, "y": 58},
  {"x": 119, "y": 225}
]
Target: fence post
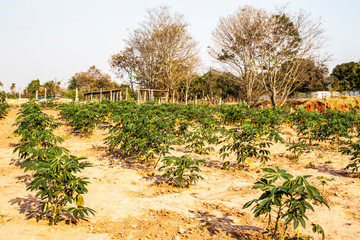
[
  {"x": 36, "y": 95},
  {"x": 100, "y": 94},
  {"x": 76, "y": 95},
  {"x": 195, "y": 99},
  {"x": 45, "y": 94},
  {"x": 19, "y": 96},
  {"x": 138, "y": 96}
]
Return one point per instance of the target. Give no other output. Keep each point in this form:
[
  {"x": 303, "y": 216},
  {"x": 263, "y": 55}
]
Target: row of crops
[
  {"x": 148, "y": 132},
  {"x": 53, "y": 168}
]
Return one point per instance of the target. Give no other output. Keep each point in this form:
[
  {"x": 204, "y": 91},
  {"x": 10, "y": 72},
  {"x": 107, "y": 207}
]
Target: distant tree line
[{"x": 257, "y": 53}]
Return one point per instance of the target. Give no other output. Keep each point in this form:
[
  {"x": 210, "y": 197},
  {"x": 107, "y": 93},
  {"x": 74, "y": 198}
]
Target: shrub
[{"x": 72, "y": 94}]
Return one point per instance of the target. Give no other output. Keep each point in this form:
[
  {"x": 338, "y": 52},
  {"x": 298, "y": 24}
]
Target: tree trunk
[{"x": 273, "y": 100}]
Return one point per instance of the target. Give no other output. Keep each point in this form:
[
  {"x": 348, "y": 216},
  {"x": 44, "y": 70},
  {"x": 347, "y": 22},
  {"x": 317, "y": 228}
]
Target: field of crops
[{"x": 118, "y": 170}]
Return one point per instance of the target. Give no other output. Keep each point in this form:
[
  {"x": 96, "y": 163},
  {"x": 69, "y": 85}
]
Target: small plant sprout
[
  {"x": 286, "y": 202},
  {"x": 181, "y": 171},
  {"x": 324, "y": 181}
]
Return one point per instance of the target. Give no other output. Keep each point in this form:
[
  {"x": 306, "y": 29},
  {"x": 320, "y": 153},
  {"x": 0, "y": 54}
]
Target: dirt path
[{"x": 130, "y": 205}]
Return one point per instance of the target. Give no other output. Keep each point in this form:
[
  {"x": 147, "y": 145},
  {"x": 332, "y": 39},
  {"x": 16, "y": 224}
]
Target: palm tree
[{"x": 73, "y": 83}]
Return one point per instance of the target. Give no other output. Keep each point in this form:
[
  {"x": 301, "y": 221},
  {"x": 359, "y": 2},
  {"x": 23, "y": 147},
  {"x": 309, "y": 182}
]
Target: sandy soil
[{"x": 130, "y": 205}]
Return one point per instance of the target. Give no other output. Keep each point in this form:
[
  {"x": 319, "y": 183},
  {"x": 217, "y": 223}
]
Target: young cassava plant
[
  {"x": 56, "y": 184},
  {"x": 53, "y": 167},
  {"x": 181, "y": 171},
  {"x": 299, "y": 148},
  {"x": 354, "y": 150},
  {"x": 285, "y": 202}
]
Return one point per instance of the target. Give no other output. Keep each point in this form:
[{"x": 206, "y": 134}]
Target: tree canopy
[
  {"x": 346, "y": 76},
  {"x": 33, "y": 86},
  {"x": 92, "y": 79}
]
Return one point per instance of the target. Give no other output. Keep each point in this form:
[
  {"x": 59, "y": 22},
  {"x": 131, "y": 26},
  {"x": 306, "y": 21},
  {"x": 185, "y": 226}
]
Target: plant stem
[{"x": 277, "y": 223}]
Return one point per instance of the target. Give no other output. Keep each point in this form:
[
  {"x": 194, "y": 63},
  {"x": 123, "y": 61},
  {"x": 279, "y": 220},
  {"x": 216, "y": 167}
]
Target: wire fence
[{"x": 326, "y": 94}]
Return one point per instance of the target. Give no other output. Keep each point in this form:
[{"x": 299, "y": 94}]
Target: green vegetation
[
  {"x": 148, "y": 132},
  {"x": 54, "y": 168},
  {"x": 72, "y": 94},
  {"x": 287, "y": 201},
  {"x": 345, "y": 76},
  {"x": 181, "y": 171},
  {"x": 299, "y": 148},
  {"x": 354, "y": 150},
  {"x": 3, "y": 109}
]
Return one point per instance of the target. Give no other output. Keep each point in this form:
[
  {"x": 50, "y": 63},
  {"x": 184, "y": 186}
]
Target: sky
[{"x": 48, "y": 39}]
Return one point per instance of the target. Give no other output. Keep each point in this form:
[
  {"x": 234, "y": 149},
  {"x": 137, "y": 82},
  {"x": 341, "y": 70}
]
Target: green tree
[
  {"x": 52, "y": 87},
  {"x": 311, "y": 76},
  {"x": 214, "y": 84},
  {"x": 33, "y": 86},
  {"x": 346, "y": 76},
  {"x": 74, "y": 83}
]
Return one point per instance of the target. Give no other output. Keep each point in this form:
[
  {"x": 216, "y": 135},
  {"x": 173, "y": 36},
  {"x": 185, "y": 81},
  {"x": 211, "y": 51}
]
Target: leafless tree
[
  {"x": 238, "y": 43},
  {"x": 124, "y": 62},
  {"x": 162, "y": 51},
  {"x": 255, "y": 46}
]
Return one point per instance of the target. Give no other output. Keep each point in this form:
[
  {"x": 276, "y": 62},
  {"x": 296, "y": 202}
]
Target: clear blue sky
[{"x": 49, "y": 39}]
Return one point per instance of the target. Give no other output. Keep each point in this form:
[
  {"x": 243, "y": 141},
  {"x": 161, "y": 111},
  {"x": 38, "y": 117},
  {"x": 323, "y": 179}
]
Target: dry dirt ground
[{"x": 130, "y": 205}]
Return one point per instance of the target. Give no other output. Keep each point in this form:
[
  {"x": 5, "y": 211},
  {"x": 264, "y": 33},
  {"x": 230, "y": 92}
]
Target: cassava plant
[
  {"x": 3, "y": 109},
  {"x": 246, "y": 143},
  {"x": 286, "y": 202},
  {"x": 53, "y": 167},
  {"x": 181, "y": 171},
  {"x": 324, "y": 181},
  {"x": 82, "y": 117},
  {"x": 84, "y": 121},
  {"x": 36, "y": 131},
  {"x": 56, "y": 184},
  {"x": 354, "y": 150},
  {"x": 299, "y": 148},
  {"x": 199, "y": 137},
  {"x": 142, "y": 133}
]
